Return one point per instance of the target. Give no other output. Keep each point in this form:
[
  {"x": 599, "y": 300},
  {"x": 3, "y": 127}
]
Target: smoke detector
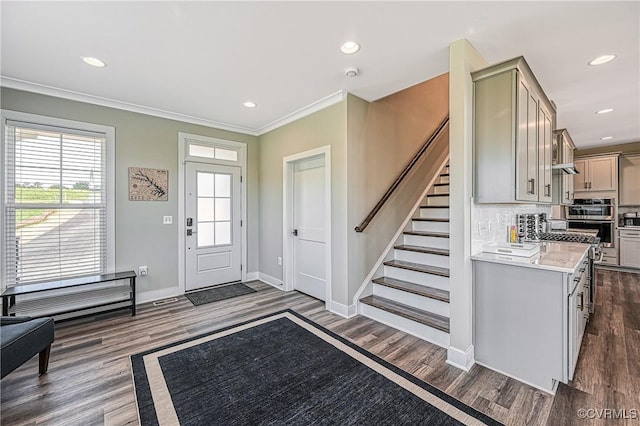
[{"x": 351, "y": 72}]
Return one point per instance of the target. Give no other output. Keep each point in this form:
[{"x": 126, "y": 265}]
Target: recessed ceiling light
[
  {"x": 250, "y": 104},
  {"x": 604, "y": 111},
  {"x": 606, "y": 138},
  {"x": 350, "y": 47},
  {"x": 602, "y": 59},
  {"x": 94, "y": 62}
]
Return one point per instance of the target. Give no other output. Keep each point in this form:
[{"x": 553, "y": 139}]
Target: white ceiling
[{"x": 202, "y": 60}]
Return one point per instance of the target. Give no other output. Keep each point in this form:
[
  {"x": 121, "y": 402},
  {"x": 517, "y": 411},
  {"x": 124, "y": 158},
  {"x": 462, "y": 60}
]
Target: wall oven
[
  {"x": 606, "y": 229},
  {"x": 591, "y": 209}
]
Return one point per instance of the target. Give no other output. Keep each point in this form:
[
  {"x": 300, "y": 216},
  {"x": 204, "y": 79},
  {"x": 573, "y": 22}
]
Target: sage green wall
[
  {"x": 325, "y": 127},
  {"x": 145, "y": 141}
]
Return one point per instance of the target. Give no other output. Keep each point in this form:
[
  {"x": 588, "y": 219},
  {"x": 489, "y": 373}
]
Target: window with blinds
[{"x": 55, "y": 203}]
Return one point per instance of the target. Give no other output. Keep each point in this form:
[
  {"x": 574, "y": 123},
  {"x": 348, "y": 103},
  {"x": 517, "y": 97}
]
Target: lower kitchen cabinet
[
  {"x": 529, "y": 322},
  {"x": 630, "y": 248}
]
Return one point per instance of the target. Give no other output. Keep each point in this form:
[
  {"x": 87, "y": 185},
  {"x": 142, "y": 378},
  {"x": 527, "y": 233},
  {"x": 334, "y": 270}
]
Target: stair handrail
[{"x": 365, "y": 222}]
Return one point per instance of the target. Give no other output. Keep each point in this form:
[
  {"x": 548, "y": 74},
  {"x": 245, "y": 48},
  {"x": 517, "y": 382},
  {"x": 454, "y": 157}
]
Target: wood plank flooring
[{"x": 89, "y": 379}]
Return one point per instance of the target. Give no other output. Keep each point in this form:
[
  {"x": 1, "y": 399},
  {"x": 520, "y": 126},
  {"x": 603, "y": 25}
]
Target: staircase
[{"x": 413, "y": 294}]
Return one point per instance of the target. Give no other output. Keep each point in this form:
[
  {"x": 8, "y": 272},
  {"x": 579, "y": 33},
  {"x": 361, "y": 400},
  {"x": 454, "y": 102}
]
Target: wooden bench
[{"x": 89, "y": 297}]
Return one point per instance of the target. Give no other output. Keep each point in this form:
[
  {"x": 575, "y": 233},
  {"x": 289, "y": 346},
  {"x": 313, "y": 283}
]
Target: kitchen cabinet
[
  {"x": 630, "y": 248},
  {"x": 513, "y": 132},
  {"x": 599, "y": 173},
  {"x": 629, "y": 166},
  {"x": 530, "y": 315},
  {"x": 563, "y": 148}
]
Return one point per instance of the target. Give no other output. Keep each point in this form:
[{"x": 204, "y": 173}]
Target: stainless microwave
[{"x": 591, "y": 209}]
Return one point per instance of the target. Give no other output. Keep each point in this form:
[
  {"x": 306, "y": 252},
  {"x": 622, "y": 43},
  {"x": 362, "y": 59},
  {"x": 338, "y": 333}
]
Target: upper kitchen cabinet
[
  {"x": 563, "y": 148},
  {"x": 513, "y": 132},
  {"x": 630, "y": 180},
  {"x": 598, "y": 173}
]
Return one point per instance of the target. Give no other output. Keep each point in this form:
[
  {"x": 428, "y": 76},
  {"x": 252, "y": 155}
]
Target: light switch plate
[{"x": 167, "y": 220}]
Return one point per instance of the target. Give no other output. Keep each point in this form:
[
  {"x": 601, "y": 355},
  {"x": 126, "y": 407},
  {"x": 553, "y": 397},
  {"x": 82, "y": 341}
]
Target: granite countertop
[{"x": 553, "y": 256}]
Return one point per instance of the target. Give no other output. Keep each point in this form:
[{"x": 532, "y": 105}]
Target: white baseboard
[
  {"x": 271, "y": 280},
  {"x": 463, "y": 360},
  {"x": 342, "y": 310},
  {"x": 153, "y": 295},
  {"x": 252, "y": 276}
]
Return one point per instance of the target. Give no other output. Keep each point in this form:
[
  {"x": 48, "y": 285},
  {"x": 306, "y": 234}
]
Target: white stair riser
[
  {"x": 420, "y": 225},
  {"x": 420, "y": 302},
  {"x": 438, "y": 201},
  {"x": 441, "y": 189},
  {"x": 444, "y": 179},
  {"x": 439, "y": 213},
  {"x": 422, "y": 258},
  {"x": 422, "y": 331},
  {"x": 419, "y": 240},
  {"x": 430, "y": 280}
]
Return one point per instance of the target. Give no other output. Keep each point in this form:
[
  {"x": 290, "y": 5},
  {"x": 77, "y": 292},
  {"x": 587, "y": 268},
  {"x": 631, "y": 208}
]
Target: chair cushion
[{"x": 19, "y": 342}]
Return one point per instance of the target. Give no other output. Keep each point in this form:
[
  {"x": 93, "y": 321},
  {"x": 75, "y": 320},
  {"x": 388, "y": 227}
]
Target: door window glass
[{"x": 213, "y": 196}]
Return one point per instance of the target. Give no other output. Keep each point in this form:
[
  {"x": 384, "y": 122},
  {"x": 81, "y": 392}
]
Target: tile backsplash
[{"x": 489, "y": 222}]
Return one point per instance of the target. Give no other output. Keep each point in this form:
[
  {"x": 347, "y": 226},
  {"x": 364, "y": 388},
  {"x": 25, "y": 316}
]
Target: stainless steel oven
[
  {"x": 606, "y": 229},
  {"x": 591, "y": 209}
]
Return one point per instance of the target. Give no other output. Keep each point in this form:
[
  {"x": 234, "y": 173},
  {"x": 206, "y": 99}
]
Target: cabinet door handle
[
  {"x": 547, "y": 190},
  {"x": 580, "y": 305},
  {"x": 586, "y": 185},
  {"x": 532, "y": 183},
  {"x": 567, "y": 195},
  {"x": 589, "y": 185}
]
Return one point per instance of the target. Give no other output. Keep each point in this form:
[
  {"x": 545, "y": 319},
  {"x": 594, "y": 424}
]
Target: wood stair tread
[
  {"x": 423, "y": 317},
  {"x": 418, "y": 267},
  {"x": 428, "y": 234},
  {"x": 441, "y": 184},
  {"x": 420, "y": 249},
  {"x": 409, "y": 287},
  {"x": 444, "y": 174},
  {"x": 427, "y": 219}
]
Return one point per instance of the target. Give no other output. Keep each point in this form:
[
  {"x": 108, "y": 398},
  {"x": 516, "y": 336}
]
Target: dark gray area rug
[
  {"x": 215, "y": 294},
  {"x": 283, "y": 369}
]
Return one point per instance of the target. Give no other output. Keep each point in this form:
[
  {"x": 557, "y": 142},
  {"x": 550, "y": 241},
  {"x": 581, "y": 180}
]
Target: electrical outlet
[
  {"x": 143, "y": 271},
  {"x": 279, "y": 261},
  {"x": 167, "y": 220}
]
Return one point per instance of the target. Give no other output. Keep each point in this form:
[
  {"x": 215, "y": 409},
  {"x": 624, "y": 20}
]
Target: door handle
[
  {"x": 190, "y": 232},
  {"x": 532, "y": 182},
  {"x": 189, "y": 221},
  {"x": 581, "y": 304},
  {"x": 547, "y": 190},
  {"x": 295, "y": 232},
  {"x": 586, "y": 185}
]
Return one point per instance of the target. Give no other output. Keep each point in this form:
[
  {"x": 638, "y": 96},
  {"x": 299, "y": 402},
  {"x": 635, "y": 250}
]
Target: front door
[
  {"x": 212, "y": 228},
  {"x": 309, "y": 227}
]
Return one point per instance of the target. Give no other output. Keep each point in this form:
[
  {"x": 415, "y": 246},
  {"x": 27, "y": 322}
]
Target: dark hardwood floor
[{"x": 89, "y": 379}]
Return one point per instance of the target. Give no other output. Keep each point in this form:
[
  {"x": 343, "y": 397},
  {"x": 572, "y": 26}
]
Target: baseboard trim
[
  {"x": 463, "y": 360},
  {"x": 342, "y": 310},
  {"x": 153, "y": 295},
  {"x": 252, "y": 276},
  {"x": 271, "y": 280}
]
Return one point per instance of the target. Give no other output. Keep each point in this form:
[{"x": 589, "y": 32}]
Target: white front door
[
  {"x": 309, "y": 227},
  {"x": 212, "y": 229}
]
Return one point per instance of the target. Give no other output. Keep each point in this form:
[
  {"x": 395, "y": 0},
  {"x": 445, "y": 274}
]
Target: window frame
[{"x": 69, "y": 125}]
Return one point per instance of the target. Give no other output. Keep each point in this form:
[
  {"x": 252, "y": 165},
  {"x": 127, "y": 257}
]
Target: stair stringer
[{"x": 366, "y": 288}]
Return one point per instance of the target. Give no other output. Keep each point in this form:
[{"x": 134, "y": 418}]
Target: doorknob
[{"x": 295, "y": 232}]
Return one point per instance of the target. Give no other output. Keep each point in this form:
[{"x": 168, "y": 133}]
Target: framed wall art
[{"x": 148, "y": 184}]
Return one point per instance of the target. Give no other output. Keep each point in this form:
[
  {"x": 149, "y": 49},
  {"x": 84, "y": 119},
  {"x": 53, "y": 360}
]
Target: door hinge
[
  {"x": 240, "y": 222},
  {"x": 240, "y": 178},
  {"x": 241, "y": 266}
]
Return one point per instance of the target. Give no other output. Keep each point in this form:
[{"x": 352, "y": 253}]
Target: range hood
[{"x": 568, "y": 168}]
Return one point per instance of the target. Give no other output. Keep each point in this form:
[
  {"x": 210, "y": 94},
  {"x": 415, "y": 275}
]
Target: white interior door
[
  {"x": 212, "y": 228},
  {"x": 309, "y": 227}
]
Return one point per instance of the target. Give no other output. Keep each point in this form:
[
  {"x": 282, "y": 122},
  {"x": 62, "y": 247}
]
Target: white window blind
[{"x": 55, "y": 203}]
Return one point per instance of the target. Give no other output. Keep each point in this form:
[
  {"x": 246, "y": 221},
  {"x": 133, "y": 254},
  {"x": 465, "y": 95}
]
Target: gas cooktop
[{"x": 572, "y": 237}]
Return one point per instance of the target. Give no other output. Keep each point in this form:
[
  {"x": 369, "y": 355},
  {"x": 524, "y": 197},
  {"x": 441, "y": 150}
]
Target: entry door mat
[
  {"x": 214, "y": 294},
  {"x": 283, "y": 369}
]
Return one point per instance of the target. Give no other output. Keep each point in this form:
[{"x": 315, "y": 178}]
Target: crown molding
[
  {"x": 27, "y": 86},
  {"x": 323, "y": 103}
]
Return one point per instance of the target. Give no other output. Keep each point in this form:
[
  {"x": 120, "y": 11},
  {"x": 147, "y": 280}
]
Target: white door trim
[
  {"x": 287, "y": 215},
  {"x": 241, "y": 147}
]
